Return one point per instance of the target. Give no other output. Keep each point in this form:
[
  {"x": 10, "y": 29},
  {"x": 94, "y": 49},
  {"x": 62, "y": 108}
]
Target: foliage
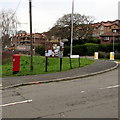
[
  {"x": 80, "y": 50},
  {"x": 91, "y": 48},
  {"x": 40, "y": 50},
  {"x": 6, "y": 56},
  {"x": 81, "y": 25},
  {"x": 8, "y": 22},
  {"x": 66, "y": 50},
  {"x": 117, "y": 55}
]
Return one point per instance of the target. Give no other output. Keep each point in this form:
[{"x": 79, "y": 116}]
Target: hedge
[
  {"x": 40, "y": 50},
  {"x": 7, "y": 56},
  {"x": 86, "y": 49}
]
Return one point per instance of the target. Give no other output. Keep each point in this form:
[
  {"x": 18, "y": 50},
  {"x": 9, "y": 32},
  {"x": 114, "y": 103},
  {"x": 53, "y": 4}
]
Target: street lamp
[
  {"x": 114, "y": 31},
  {"x": 31, "y": 41},
  {"x": 72, "y": 28}
]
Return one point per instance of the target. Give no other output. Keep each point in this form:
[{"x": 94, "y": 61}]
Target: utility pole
[
  {"x": 31, "y": 41},
  {"x": 71, "y": 47}
]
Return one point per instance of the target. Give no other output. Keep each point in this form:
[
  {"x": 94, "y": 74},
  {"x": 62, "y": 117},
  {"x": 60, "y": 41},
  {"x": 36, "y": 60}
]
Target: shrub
[
  {"x": 91, "y": 48},
  {"x": 117, "y": 55},
  {"x": 66, "y": 50},
  {"x": 7, "y": 56},
  {"x": 80, "y": 50},
  {"x": 40, "y": 50}
]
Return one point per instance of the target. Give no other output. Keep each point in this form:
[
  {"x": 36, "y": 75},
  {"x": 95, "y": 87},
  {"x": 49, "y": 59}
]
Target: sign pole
[
  {"x": 70, "y": 63},
  {"x": 79, "y": 61},
  {"x": 60, "y": 64},
  {"x": 46, "y": 64}
]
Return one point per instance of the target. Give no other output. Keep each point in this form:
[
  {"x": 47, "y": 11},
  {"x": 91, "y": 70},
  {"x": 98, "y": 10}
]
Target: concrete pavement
[{"x": 98, "y": 67}]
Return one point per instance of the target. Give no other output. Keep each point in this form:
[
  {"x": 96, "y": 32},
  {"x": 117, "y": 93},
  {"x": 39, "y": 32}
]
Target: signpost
[{"x": 54, "y": 50}]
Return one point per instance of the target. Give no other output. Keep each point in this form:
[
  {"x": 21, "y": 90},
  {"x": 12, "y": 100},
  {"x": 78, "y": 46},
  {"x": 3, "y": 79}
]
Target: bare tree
[
  {"x": 8, "y": 22},
  {"x": 81, "y": 25}
]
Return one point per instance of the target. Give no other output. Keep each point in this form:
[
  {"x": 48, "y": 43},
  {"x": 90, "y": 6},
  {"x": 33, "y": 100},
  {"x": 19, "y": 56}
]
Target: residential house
[
  {"x": 110, "y": 37},
  {"x": 105, "y": 28}
]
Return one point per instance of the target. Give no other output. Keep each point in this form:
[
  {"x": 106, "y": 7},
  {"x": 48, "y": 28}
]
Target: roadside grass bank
[{"x": 39, "y": 65}]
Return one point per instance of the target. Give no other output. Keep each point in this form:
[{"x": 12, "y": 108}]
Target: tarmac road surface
[{"x": 91, "y": 97}]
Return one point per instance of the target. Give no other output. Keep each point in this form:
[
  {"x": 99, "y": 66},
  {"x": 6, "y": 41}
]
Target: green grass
[{"x": 39, "y": 65}]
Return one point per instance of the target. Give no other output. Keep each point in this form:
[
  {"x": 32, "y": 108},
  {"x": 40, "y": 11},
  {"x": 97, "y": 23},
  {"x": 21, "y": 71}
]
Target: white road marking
[
  {"x": 15, "y": 103},
  {"x": 109, "y": 87},
  {"x": 82, "y": 91}
]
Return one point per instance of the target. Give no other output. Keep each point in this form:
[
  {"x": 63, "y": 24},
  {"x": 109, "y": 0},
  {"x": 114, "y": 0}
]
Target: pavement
[{"x": 100, "y": 66}]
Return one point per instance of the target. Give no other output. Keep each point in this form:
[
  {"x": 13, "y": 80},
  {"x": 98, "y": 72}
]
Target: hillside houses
[{"x": 107, "y": 31}]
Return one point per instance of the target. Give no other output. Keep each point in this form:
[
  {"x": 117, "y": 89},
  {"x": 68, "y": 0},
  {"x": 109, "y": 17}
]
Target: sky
[{"x": 45, "y": 13}]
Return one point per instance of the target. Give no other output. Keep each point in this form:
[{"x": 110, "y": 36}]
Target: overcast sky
[{"x": 47, "y": 12}]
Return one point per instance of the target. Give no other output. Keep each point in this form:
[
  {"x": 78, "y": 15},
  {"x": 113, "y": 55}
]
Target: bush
[
  {"x": 91, "y": 48},
  {"x": 117, "y": 55},
  {"x": 66, "y": 50},
  {"x": 109, "y": 47},
  {"x": 79, "y": 50},
  {"x": 40, "y": 50},
  {"x": 7, "y": 56},
  {"x": 104, "y": 55}
]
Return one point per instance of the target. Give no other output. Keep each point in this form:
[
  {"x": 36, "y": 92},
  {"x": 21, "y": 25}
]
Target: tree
[
  {"x": 81, "y": 25},
  {"x": 8, "y": 22}
]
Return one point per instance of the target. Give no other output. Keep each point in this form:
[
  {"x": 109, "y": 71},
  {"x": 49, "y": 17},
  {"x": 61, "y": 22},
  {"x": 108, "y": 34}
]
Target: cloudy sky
[{"x": 47, "y": 12}]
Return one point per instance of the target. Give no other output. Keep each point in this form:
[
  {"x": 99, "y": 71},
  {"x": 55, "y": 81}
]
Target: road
[{"x": 92, "y": 97}]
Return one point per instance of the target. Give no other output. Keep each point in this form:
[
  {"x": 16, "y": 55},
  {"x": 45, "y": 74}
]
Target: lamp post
[
  {"x": 71, "y": 46},
  {"x": 31, "y": 41},
  {"x": 114, "y": 31}
]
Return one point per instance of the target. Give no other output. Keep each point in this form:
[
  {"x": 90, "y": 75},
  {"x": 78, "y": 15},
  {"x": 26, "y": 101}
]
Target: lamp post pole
[
  {"x": 31, "y": 41},
  {"x": 72, "y": 28}
]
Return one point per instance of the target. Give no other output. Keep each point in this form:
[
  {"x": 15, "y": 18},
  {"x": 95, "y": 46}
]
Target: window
[{"x": 106, "y": 38}]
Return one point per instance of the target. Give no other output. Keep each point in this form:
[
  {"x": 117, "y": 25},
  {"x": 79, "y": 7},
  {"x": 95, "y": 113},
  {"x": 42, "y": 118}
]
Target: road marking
[
  {"x": 82, "y": 91},
  {"x": 109, "y": 87},
  {"x": 15, "y": 103}
]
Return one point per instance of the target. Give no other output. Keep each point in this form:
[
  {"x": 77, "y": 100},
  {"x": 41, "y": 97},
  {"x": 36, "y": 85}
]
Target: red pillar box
[{"x": 16, "y": 64}]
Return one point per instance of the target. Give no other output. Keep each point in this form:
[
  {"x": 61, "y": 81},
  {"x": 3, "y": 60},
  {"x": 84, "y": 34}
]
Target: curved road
[{"x": 92, "y": 97}]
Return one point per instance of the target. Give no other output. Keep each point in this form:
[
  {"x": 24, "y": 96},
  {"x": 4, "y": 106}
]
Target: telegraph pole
[
  {"x": 31, "y": 41},
  {"x": 71, "y": 47}
]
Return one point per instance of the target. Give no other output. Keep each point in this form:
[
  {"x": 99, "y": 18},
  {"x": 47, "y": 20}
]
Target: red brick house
[{"x": 110, "y": 36}]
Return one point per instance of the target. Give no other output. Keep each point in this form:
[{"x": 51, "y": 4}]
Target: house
[
  {"x": 110, "y": 37},
  {"x": 104, "y": 31},
  {"x": 104, "y": 27},
  {"x": 21, "y": 42}
]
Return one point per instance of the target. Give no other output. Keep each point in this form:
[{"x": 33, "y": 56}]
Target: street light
[
  {"x": 72, "y": 28},
  {"x": 31, "y": 41},
  {"x": 114, "y": 31}
]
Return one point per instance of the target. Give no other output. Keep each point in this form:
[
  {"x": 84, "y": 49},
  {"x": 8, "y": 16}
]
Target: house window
[{"x": 106, "y": 38}]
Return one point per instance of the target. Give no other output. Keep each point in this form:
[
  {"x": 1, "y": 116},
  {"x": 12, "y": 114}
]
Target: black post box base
[{"x": 15, "y": 72}]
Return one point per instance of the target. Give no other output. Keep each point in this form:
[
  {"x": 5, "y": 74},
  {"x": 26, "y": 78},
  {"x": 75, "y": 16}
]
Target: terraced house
[{"x": 107, "y": 31}]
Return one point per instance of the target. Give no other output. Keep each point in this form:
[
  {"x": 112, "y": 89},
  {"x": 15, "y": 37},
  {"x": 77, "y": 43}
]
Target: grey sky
[{"x": 46, "y": 12}]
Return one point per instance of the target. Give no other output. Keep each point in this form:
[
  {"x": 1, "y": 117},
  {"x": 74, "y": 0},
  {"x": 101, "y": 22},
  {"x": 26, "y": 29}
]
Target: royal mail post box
[{"x": 16, "y": 64}]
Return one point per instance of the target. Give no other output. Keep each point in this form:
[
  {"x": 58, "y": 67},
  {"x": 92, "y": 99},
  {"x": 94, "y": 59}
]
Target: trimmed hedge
[
  {"x": 7, "y": 56},
  {"x": 40, "y": 50},
  {"x": 87, "y": 49}
]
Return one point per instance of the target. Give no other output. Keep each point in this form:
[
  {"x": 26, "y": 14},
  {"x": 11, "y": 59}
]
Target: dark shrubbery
[
  {"x": 117, "y": 55},
  {"x": 88, "y": 49},
  {"x": 7, "y": 56},
  {"x": 91, "y": 48},
  {"x": 40, "y": 50}
]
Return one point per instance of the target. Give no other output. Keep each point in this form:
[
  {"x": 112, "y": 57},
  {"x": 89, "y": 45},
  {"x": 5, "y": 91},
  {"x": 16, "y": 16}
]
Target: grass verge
[{"x": 39, "y": 65}]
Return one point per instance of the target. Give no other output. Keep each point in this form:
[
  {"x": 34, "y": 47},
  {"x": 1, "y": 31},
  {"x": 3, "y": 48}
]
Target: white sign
[{"x": 74, "y": 56}]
